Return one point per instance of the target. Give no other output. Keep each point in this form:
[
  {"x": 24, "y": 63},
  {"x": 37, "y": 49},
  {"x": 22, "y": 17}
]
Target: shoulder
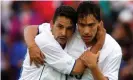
[
  {"x": 111, "y": 43},
  {"x": 45, "y": 24},
  {"x": 43, "y": 27},
  {"x": 110, "y": 49}
]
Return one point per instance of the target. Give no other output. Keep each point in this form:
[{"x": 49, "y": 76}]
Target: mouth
[
  {"x": 62, "y": 39},
  {"x": 86, "y": 37}
]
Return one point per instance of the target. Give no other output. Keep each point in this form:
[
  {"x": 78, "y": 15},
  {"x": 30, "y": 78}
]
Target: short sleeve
[
  {"x": 43, "y": 27},
  {"x": 112, "y": 65},
  {"x": 55, "y": 56}
]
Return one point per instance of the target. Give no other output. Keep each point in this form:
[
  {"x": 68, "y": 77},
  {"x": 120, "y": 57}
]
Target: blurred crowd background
[{"x": 16, "y": 15}]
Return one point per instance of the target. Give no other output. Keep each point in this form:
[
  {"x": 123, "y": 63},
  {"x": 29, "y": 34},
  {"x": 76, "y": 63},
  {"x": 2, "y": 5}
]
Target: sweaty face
[
  {"x": 62, "y": 30},
  {"x": 87, "y": 27}
]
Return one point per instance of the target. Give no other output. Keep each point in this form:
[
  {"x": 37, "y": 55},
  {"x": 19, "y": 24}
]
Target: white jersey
[
  {"x": 60, "y": 62},
  {"x": 55, "y": 62}
]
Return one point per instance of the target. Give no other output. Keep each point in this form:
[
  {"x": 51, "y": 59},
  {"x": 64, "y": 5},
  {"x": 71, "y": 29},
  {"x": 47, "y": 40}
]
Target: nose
[
  {"x": 86, "y": 30},
  {"x": 64, "y": 32}
]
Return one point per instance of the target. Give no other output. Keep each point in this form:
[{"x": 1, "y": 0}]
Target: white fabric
[
  {"x": 57, "y": 62},
  {"x": 109, "y": 59},
  {"x": 59, "y": 58},
  {"x": 43, "y": 27}
]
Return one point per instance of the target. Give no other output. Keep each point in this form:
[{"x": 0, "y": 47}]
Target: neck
[
  {"x": 63, "y": 46},
  {"x": 91, "y": 43}
]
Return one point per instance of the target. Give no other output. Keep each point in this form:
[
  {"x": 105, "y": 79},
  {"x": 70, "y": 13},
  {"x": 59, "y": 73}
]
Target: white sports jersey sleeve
[
  {"x": 110, "y": 58},
  {"x": 55, "y": 56},
  {"x": 43, "y": 27},
  {"x": 111, "y": 68}
]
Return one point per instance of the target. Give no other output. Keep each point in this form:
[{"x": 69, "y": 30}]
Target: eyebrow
[
  {"x": 60, "y": 24},
  {"x": 67, "y": 27},
  {"x": 89, "y": 24},
  {"x": 70, "y": 27}
]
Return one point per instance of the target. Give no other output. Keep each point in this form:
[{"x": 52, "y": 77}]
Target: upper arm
[
  {"x": 36, "y": 29},
  {"x": 112, "y": 65},
  {"x": 55, "y": 56},
  {"x": 30, "y": 30},
  {"x": 31, "y": 27}
]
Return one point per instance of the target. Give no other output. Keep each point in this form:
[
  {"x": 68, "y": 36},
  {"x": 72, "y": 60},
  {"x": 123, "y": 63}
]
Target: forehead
[
  {"x": 87, "y": 19},
  {"x": 63, "y": 21}
]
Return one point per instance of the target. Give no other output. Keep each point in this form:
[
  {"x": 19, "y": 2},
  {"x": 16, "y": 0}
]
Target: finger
[
  {"x": 98, "y": 26},
  {"x": 39, "y": 61},
  {"x": 101, "y": 24},
  {"x": 98, "y": 53},
  {"x": 91, "y": 52},
  {"x": 105, "y": 30},
  {"x": 101, "y": 27},
  {"x": 42, "y": 58},
  {"x": 42, "y": 55},
  {"x": 35, "y": 60},
  {"x": 36, "y": 63},
  {"x": 83, "y": 58},
  {"x": 82, "y": 55},
  {"x": 86, "y": 56}
]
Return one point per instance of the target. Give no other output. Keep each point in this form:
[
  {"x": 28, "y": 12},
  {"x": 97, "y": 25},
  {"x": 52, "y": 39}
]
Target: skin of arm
[
  {"x": 97, "y": 75},
  {"x": 79, "y": 67},
  {"x": 29, "y": 34},
  {"x": 35, "y": 54},
  {"x": 90, "y": 60}
]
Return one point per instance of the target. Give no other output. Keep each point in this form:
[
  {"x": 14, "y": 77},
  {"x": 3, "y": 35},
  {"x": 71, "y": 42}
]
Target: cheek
[
  {"x": 94, "y": 31},
  {"x": 69, "y": 34},
  {"x": 80, "y": 30},
  {"x": 55, "y": 32}
]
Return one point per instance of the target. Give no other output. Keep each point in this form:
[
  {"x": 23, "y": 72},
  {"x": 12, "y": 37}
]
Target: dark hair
[
  {"x": 67, "y": 12},
  {"x": 88, "y": 7}
]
